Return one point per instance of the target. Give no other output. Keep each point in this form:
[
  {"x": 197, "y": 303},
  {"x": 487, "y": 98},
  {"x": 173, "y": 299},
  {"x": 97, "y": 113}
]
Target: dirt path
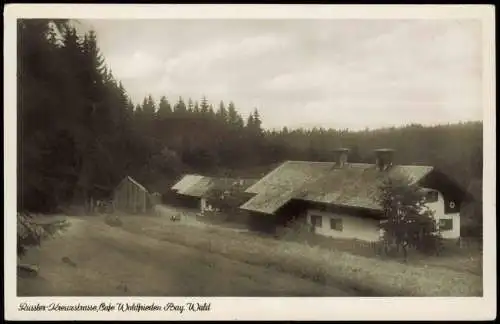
[{"x": 95, "y": 259}]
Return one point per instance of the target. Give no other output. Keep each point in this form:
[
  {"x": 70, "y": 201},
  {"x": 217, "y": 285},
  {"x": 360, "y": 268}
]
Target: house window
[
  {"x": 336, "y": 224},
  {"x": 446, "y": 224},
  {"x": 316, "y": 220},
  {"x": 431, "y": 196}
]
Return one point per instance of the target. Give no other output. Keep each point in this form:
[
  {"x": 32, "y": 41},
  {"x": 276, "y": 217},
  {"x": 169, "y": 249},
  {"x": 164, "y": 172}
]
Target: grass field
[
  {"x": 467, "y": 258},
  {"x": 432, "y": 276},
  {"x": 93, "y": 258},
  {"x": 150, "y": 255}
]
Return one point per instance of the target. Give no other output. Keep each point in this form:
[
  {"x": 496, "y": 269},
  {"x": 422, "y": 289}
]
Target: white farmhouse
[{"x": 338, "y": 198}]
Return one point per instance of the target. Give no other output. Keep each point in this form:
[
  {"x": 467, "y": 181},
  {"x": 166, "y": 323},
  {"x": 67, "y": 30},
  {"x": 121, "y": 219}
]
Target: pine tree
[
  {"x": 138, "y": 114},
  {"x": 211, "y": 112},
  {"x": 98, "y": 115},
  {"x": 74, "y": 117},
  {"x": 234, "y": 119},
  {"x": 196, "y": 108},
  {"x": 240, "y": 123},
  {"x": 180, "y": 107},
  {"x": 254, "y": 123},
  {"x": 39, "y": 71},
  {"x": 257, "y": 123},
  {"x": 190, "y": 106},
  {"x": 164, "y": 109},
  {"x": 130, "y": 110},
  {"x": 222, "y": 112},
  {"x": 250, "y": 123},
  {"x": 204, "y": 106},
  {"x": 148, "y": 107}
]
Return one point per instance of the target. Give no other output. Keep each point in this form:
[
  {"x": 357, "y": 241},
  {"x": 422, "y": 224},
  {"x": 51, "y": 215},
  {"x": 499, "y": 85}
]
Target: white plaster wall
[
  {"x": 438, "y": 208},
  {"x": 360, "y": 228},
  {"x": 203, "y": 204},
  {"x": 455, "y": 232},
  {"x": 367, "y": 229}
]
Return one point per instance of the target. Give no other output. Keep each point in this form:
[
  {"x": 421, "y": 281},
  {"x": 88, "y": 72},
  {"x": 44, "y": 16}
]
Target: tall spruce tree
[
  {"x": 180, "y": 107},
  {"x": 257, "y": 123},
  {"x": 234, "y": 118},
  {"x": 164, "y": 109},
  {"x": 204, "y": 107},
  {"x": 149, "y": 107},
  {"x": 221, "y": 112},
  {"x": 190, "y": 106},
  {"x": 196, "y": 108}
]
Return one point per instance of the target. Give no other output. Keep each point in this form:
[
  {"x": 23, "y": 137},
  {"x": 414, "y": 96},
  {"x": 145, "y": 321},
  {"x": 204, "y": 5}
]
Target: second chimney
[
  {"x": 384, "y": 158},
  {"x": 340, "y": 157}
]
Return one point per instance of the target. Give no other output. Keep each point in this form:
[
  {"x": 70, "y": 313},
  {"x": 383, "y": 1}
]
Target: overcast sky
[{"x": 305, "y": 73}]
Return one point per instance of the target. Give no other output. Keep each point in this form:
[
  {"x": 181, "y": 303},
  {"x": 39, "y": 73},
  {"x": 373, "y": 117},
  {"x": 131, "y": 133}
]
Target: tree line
[{"x": 79, "y": 132}]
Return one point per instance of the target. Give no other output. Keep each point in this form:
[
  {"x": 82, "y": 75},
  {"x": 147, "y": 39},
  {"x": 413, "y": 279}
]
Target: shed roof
[
  {"x": 202, "y": 186},
  {"x": 137, "y": 183},
  {"x": 354, "y": 185},
  {"x": 186, "y": 181},
  {"x": 199, "y": 188},
  {"x": 129, "y": 178}
]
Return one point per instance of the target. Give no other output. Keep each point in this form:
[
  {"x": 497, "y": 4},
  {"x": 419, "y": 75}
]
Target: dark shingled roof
[{"x": 353, "y": 185}]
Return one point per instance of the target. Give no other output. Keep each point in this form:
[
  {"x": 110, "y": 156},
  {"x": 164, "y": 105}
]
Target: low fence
[{"x": 353, "y": 246}]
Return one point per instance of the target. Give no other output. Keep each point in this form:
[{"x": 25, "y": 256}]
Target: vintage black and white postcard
[{"x": 210, "y": 162}]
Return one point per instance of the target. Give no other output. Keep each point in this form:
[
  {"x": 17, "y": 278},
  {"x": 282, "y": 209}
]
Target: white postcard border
[{"x": 271, "y": 308}]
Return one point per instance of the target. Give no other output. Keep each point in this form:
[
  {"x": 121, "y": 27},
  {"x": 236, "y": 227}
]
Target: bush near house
[
  {"x": 409, "y": 223},
  {"x": 296, "y": 231}
]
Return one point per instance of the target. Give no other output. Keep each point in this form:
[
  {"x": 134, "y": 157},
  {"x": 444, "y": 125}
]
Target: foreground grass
[
  {"x": 467, "y": 258},
  {"x": 368, "y": 276},
  {"x": 461, "y": 259},
  {"x": 96, "y": 257}
]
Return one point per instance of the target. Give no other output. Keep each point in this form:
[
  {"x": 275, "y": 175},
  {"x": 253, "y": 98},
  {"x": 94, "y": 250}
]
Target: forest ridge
[{"x": 79, "y": 132}]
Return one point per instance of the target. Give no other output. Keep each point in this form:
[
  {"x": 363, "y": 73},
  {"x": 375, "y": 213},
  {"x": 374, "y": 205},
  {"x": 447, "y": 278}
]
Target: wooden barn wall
[{"x": 130, "y": 198}]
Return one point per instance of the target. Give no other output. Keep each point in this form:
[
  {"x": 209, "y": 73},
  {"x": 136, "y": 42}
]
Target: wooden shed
[{"x": 131, "y": 197}]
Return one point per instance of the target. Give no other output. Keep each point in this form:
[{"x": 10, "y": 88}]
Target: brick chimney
[
  {"x": 384, "y": 158},
  {"x": 340, "y": 157}
]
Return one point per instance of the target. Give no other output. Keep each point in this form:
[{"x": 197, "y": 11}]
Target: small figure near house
[
  {"x": 175, "y": 218},
  {"x": 104, "y": 206}
]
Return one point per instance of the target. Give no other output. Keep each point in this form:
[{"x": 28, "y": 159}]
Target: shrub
[
  {"x": 296, "y": 230},
  {"x": 410, "y": 223},
  {"x": 31, "y": 233},
  {"x": 113, "y": 220}
]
